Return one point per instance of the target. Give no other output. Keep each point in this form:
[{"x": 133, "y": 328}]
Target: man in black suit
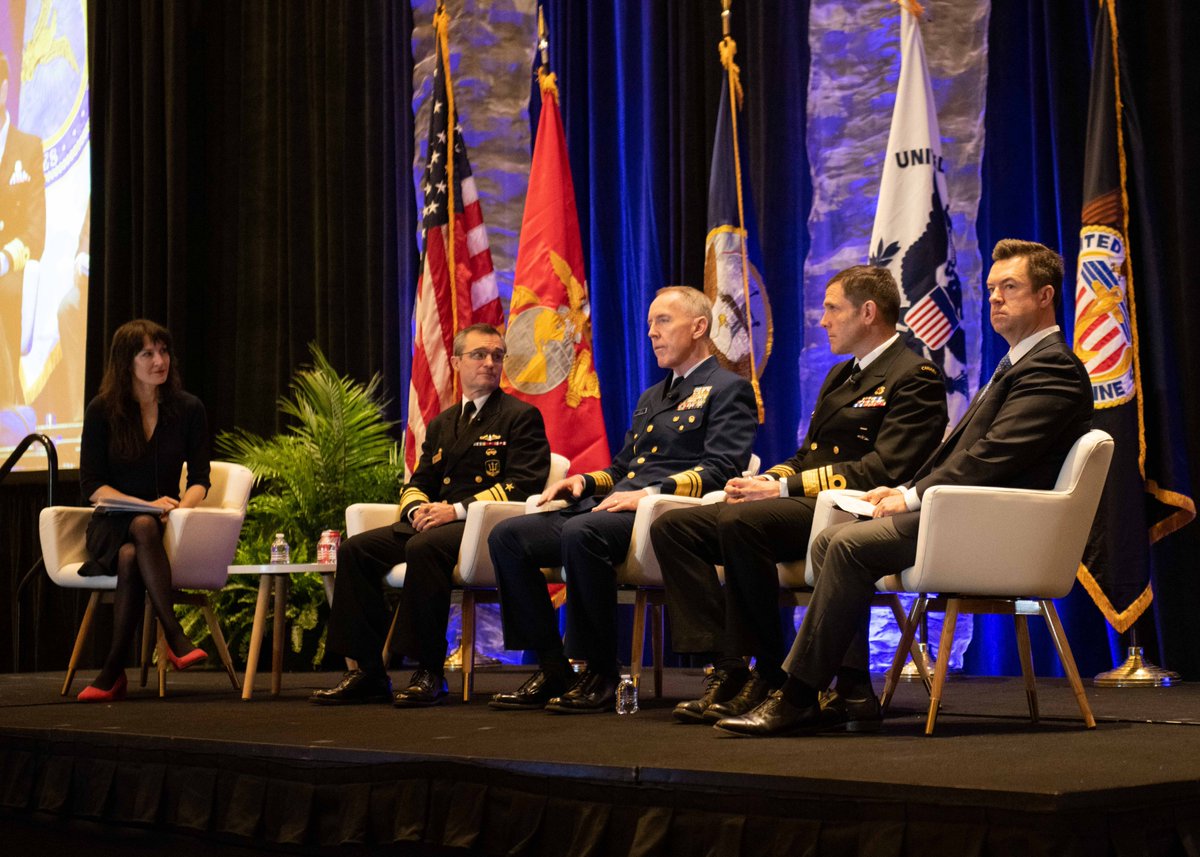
[
  {"x": 878, "y": 416},
  {"x": 22, "y": 235},
  {"x": 689, "y": 434},
  {"x": 1016, "y": 433},
  {"x": 489, "y": 446}
]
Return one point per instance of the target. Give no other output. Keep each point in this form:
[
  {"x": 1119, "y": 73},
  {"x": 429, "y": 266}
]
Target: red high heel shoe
[
  {"x": 114, "y": 694},
  {"x": 192, "y": 658}
]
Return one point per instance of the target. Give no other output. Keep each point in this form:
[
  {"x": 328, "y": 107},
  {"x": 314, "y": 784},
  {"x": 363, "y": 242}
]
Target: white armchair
[
  {"x": 968, "y": 561},
  {"x": 200, "y": 543},
  {"x": 474, "y": 574}
]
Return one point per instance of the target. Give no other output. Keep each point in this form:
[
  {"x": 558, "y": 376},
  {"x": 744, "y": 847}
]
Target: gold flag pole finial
[
  {"x": 547, "y": 82},
  {"x": 912, "y": 7}
]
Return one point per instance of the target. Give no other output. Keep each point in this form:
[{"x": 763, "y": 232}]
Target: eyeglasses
[{"x": 481, "y": 354}]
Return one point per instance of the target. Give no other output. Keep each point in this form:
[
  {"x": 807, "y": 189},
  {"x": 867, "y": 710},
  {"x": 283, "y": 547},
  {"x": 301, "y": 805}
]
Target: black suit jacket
[
  {"x": 872, "y": 430},
  {"x": 1018, "y": 431},
  {"x": 502, "y": 454},
  {"x": 690, "y": 441}
]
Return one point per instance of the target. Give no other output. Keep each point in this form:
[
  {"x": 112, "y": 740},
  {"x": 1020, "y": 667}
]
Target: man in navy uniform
[
  {"x": 22, "y": 234},
  {"x": 1016, "y": 433},
  {"x": 878, "y": 416},
  {"x": 690, "y": 434},
  {"x": 489, "y": 446}
]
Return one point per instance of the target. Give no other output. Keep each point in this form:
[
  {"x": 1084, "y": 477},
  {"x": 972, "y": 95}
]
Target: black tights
[{"x": 142, "y": 569}]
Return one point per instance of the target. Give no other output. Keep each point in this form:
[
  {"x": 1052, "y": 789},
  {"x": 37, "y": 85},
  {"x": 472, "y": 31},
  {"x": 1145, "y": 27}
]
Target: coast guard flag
[
  {"x": 550, "y": 362},
  {"x": 911, "y": 236},
  {"x": 457, "y": 286},
  {"x": 1115, "y": 568},
  {"x": 741, "y": 331}
]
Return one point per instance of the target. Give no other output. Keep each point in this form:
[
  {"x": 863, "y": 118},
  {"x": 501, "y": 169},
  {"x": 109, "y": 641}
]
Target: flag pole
[
  {"x": 441, "y": 29},
  {"x": 727, "y": 50}
]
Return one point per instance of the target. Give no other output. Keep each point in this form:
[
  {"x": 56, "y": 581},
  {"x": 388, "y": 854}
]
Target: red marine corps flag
[
  {"x": 457, "y": 287},
  {"x": 1115, "y": 568},
  {"x": 549, "y": 338}
]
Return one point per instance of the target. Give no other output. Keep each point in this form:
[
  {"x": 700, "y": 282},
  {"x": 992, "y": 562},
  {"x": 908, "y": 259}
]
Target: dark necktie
[
  {"x": 464, "y": 419},
  {"x": 855, "y": 373},
  {"x": 673, "y": 385},
  {"x": 1003, "y": 366}
]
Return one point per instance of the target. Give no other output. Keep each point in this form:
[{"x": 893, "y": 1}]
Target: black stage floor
[{"x": 202, "y": 766}]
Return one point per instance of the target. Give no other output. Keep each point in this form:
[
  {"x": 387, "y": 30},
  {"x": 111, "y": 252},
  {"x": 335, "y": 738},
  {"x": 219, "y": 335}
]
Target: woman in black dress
[{"x": 137, "y": 434}]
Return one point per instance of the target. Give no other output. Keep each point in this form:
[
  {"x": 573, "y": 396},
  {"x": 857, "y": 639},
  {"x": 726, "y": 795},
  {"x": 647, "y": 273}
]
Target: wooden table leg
[
  {"x": 279, "y": 625},
  {"x": 256, "y": 635}
]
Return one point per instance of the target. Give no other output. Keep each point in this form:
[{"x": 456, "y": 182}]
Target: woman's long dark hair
[{"x": 127, "y": 440}]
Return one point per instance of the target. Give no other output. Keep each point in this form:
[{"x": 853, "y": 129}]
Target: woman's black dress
[{"x": 180, "y": 436}]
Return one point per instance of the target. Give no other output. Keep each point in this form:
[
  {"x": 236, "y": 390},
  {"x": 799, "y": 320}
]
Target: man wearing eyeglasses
[{"x": 488, "y": 446}]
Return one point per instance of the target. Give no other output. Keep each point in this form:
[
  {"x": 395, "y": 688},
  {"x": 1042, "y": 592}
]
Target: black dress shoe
[
  {"x": 424, "y": 689},
  {"x": 356, "y": 687},
  {"x": 775, "y": 716},
  {"x": 537, "y": 690},
  {"x": 719, "y": 686},
  {"x": 850, "y": 715},
  {"x": 592, "y": 694},
  {"x": 754, "y": 692}
]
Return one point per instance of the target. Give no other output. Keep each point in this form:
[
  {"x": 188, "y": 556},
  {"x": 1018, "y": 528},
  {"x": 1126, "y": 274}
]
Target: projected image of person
[
  {"x": 22, "y": 235},
  {"x": 137, "y": 435}
]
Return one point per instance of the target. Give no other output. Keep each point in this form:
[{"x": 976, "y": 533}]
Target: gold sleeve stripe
[
  {"x": 413, "y": 495},
  {"x": 688, "y": 483},
  {"x": 496, "y": 492},
  {"x": 603, "y": 480},
  {"x": 812, "y": 486},
  {"x": 820, "y": 478},
  {"x": 782, "y": 471}
]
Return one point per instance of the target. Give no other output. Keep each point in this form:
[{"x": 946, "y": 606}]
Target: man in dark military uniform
[
  {"x": 877, "y": 417},
  {"x": 22, "y": 234},
  {"x": 690, "y": 434},
  {"x": 489, "y": 446}
]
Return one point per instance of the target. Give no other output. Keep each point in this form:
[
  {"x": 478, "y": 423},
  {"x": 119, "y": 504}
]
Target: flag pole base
[
  {"x": 910, "y": 671},
  {"x": 1136, "y": 672}
]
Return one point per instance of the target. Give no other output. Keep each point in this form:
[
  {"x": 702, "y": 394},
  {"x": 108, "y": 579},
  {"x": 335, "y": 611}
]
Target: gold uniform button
[
  {"x": 675, "y": 419},
  {"x": 446, "y": 481},
  {"x": 654, "y": 449},
  {"x": 691, "y": 419},
  {"x": 835, "y": 450},
  {"x": 650, "y": 427},
  {"x": 813, "y": 446},
  {"x": 629, "y": 475},
  {"x": 478, "y": 478},
  {"x": 681, "y": 428},
  {"x": 641, "y": 460}
]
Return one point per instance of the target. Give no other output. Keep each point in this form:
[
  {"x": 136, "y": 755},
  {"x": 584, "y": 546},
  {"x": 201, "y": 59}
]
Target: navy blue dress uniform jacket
[
  {"x": 873, "y": 429},
  {"x": 688, "y": 442},
  {"x": 502, "y": 454}
]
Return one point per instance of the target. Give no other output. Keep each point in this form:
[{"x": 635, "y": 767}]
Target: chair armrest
[
  {"x": 532, "y": 507},
  {"x": 641, "y": 566},
  {"x": 361, "y": 517},
  {"x": 999, "y": 541},
  {"x": 200, "y": 542},
  {"x": 825, "y": 515},
  {"x": 62, "y": 531},
  {"x": 474, "y": 560},
  {"x": 711, "y": 497}
]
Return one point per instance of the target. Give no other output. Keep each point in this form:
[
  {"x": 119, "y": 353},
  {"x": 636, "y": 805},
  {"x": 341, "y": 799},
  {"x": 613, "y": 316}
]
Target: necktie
[
  {"x": 855, "y": 373},
  {"x": 673, "y": 385},
  {"x": 468, "y": 412},
  {"x": 1003, "y": 366}
]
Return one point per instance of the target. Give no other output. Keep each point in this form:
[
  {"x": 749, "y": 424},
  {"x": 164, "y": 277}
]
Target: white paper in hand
[{"x": 855, "y": 506}]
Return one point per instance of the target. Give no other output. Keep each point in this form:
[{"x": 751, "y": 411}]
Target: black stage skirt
[{"x": 106, "y": 532}]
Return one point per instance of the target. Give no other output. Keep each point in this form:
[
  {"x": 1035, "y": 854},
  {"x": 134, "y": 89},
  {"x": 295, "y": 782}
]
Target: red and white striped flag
[{"x": 457, "y": 287}]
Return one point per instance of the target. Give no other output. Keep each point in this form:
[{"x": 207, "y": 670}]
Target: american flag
[
  {"x": 457, "y": 287},
  {"x": 933, "y": 319}
]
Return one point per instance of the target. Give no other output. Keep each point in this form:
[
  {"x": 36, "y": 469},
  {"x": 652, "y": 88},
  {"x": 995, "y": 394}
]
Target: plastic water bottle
[
  {"x": 627, "y": 696},
  {"x": 281, "y": 554}
]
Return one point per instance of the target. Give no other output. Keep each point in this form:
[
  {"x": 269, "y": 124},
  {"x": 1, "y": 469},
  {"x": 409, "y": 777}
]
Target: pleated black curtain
[{"x": 251, "y": 189}]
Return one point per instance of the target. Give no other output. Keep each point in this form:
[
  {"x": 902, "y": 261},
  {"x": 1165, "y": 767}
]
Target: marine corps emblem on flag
[{"x": 1103, "y": 339}]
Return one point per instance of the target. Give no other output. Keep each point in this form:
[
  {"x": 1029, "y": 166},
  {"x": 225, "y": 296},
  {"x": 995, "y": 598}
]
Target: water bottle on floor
[
  {"x": 627, "y": 696},
  {"x": 281, "y": 554}
]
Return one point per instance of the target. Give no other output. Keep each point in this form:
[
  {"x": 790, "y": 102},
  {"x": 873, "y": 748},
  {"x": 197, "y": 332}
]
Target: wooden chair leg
[
  {"x": 1026, "y": 652},
  {"x": 85, "y": 628},
  {"x": 914, "y": 648},
  {"x": 656, "y": 646},
  {"x": 1068, "y": 660},
  {"x": 214, "y": 628},
  {"x": 945, "y": 644},
  {"x": 256, "y": 635},
  {"x": 467, "y": 647},
  {"x": 162, "y": 663},
  {"x": 638, "y": 648},
  {"x": 149, "y": 635},
  {"x": 908, "y": 632},
  {"x": 387, "y": 642}
]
